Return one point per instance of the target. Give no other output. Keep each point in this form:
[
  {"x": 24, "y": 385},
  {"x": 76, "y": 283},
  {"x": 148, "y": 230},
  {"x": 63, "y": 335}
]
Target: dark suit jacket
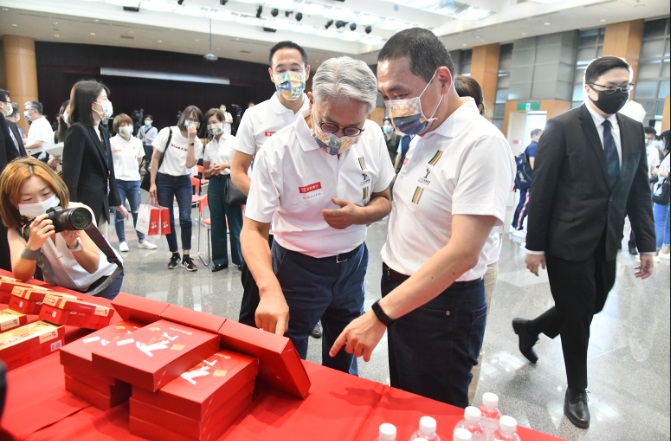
[
  {"x": 8, "y": 151},
  {"x": 571, "y": 204},
  {"x": 17, "y": 135},
  {"x": 88, "y": 169}
]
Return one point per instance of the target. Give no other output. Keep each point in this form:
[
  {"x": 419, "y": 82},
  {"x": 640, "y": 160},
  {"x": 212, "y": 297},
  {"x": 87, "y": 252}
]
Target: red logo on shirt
[
  {"x": 311, "y": 187},
  {"x": 269, "y": 133}
]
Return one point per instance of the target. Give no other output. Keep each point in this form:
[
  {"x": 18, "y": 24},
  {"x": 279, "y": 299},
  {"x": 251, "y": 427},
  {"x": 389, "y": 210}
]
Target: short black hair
[
  {"x": 600, "y": 66},
  {"x": 148, "y": 116},
  {"x": 83, "y": 94},
  {"x": 468, "y": 86},
  {"x": 665, "y": 136},
  {"x": 37, "y": 106},
  {"x": 426, "y": 52},
  {"x": 15, "y": 107},
  {"x": 4, "y": 95},
  {"x": 287, "y": 45},
  {"x": 535, "y": 132},
  {"x": 187, "y": 113},
  {"x": 650, "y": 130}
]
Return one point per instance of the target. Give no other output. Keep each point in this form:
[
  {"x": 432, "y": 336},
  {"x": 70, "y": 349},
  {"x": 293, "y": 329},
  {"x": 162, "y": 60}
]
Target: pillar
[
  {"x": 485, "y": 70},
  {"x": 624, "y": 40},
  {"x": 20, "y": 71}
]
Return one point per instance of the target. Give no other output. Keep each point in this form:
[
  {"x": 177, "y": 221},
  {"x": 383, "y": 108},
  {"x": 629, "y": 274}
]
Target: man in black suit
[{"x": 590, "y": 169}]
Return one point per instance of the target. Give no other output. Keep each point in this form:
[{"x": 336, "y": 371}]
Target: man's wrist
[{"x": 381, "y": 315}]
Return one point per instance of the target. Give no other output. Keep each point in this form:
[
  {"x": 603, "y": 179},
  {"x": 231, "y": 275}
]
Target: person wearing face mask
[
  {"x": 320, "y": 181},
  {"x": 590, "y": 169},
  {"x": 391, "y": 138},
  {"x": 449, "y": 194},
  {"x": 88, "y": 168},
  {"x": 71, "y": 259},
  {"x": 176, "y": 150},
  {"x": 40, "y": 133},
  {"x": 127, "y": 155},
  {"x": 661, "y": 211},
  {"x": 289, "y": 70},
  {"x": 147, "y": 133},
  {"x": 217, "y": 168},
  {"x": 228, "y": 119}
]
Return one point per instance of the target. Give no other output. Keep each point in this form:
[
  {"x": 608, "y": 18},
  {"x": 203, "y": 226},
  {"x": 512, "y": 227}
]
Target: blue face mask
[
  {"x": 407, "y": 115},
  {"x": 386, "y": 129}
]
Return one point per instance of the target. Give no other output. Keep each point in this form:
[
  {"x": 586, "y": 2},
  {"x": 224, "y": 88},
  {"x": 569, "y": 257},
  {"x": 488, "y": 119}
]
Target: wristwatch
[
  {"x": 29, "y": 254},
  {"x": 77, "y": 247},
  {"x": 381, "y": 315}
]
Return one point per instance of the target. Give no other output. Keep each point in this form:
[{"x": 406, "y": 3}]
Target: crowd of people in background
[{"x": 322, "y": 172}]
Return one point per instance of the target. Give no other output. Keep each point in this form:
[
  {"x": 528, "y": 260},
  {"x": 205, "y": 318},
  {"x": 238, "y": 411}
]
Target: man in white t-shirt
[
  {"x": 449, "y": 194},
  {"x": 289, "y": 70},
  {"x": 40, "y": 133},
  {"x": 320, "y": 182}
]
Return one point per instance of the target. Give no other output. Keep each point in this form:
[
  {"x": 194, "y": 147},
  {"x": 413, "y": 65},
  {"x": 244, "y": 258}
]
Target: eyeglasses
[
  {"x": 350, "y": 131},
  {"x": 611, "y": 88}
]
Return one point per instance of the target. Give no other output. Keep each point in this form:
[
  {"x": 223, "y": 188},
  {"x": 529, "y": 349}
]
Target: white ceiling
[{"x": 237, "y": 33}]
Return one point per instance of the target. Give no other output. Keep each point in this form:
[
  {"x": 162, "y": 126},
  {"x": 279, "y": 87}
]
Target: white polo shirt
[
  {"x": 465, "y": 167},
  {"x": 124, "y": 156},
  {"x": 295, "y": 180},
  {"x": 174, "y": 159},
  {"x": 220, "y": 151},
  {"x": 261, "y": 121},
  {"x": 40, "y": 130}
]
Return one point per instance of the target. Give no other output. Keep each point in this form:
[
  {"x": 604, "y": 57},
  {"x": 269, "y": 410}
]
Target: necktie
[{"x": 612, "y": 158}]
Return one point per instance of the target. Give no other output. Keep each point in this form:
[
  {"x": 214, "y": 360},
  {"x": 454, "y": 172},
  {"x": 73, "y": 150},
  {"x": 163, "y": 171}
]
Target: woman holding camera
[
  {"x": 175, "y": 151},
  {"x": 87, "y": 156},
  {"x": 28, "y": 188}
]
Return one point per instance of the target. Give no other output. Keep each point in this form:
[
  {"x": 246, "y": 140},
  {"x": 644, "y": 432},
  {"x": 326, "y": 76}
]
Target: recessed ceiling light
[
  {"x": 547, "y": 23},
  {"x": 56, "y": 35},
  {"x": 5, "y": 9},
  {"x": 196, "y": 40},
  {"x": 524, "y": 33},
  {"x": 55, "y": 23},
  {"x": 92, "y": 34},
  {"x": 159, "y": 41},
  {"x": 603, "y": 20},
  {"x": 15, "y": 25},
  {"x": 96, "y": 20},
  {"x": 464, "y": 45}
]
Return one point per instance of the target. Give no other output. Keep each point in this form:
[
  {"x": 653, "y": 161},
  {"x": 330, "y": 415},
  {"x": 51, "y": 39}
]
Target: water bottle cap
[
  {"x": 427, "y": 425},
  {"x": 387, "y": 432},
  {"x": 490, "y": 400},
  {"x": 472, "y": 414},
  {"x": 462, "y": 434},
  {"x": 508, "y": 424}
]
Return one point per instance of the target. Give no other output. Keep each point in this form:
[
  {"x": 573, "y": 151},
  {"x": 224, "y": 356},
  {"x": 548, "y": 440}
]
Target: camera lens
[{"x": 80, "y": 218}]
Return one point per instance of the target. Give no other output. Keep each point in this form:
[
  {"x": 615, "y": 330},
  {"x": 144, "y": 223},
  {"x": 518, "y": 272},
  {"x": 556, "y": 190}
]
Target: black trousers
[
  {"x": 250, "y": 293},
  {"x": 580, "y": 290}
]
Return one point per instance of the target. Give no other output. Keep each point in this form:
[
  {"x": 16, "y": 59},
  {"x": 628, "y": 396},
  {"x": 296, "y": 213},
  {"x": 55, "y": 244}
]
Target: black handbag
[
  {"x": 233, "y": 195},
  {"x": 145, "y": 184},
  {"x": 661, "y": 194}
]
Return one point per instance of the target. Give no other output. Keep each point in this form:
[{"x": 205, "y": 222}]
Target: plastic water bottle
[
  {"x": 426, "y": 431},
  {"x": 507, "y": 430},
  {"x": 387, "y": 432},
  {"x": 461, "y": 434},
  {"x": 490, "y": 414},
  {"x": 471, "y": 423}
]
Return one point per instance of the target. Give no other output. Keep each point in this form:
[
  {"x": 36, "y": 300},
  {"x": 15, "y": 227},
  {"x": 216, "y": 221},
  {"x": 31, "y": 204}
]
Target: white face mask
[
  {"x": 34, "y": 209},
  {"x": 126, "y": 131}
]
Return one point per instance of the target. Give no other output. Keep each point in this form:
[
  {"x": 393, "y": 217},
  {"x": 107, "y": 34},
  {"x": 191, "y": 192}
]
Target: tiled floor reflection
[{"x": 629, "y": 351}]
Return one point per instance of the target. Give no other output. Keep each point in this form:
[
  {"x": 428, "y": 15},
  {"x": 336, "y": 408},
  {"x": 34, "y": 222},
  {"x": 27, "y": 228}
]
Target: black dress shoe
[
  {"x": 317, "y": 331},
  {"x": 219, "y": 267},
  {"x": 575, "y": 408},
  {"x": 526, "y": 340}
]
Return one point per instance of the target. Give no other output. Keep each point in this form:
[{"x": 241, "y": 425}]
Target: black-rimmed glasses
[
  {"x": 350, "y": 131},
  {"x": 611, "y": 88}
]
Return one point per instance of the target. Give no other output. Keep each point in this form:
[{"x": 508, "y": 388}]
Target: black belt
[
  {"x": 338, "y": 258},
  {"x": 396, "y": 277},
  {"x": 219, "y": 177}
]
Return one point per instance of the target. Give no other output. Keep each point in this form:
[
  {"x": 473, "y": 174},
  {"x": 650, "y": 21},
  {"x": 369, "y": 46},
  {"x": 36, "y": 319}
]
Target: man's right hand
[
  {"x": 533, "y": 260},
  {"x": 272, "y": 314}
]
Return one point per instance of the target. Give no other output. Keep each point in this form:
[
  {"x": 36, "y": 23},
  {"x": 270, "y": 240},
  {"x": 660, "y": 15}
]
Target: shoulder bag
[{"x": 146, "y": 179}]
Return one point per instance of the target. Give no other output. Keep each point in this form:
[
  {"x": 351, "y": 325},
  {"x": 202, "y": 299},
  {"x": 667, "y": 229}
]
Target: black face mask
[{"x": 610, "y": 103}]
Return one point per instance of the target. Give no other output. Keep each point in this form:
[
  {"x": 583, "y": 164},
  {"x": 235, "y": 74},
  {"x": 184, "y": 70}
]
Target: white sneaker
[
  {"x": 146, "y": 245},
  {"x": 123, "y": 247},
  {"x": 520, "y": 233},
  {"x": 665, "y": 256}
]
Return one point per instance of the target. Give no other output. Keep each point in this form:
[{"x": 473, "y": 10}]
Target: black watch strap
[{"x": 381, "y": 315}]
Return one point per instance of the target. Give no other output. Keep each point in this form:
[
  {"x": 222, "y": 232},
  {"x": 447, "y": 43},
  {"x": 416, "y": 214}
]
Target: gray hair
[{"x": 345, "y": 77}]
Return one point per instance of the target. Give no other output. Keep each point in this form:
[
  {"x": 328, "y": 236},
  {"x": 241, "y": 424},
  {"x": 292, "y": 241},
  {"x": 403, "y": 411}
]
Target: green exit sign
[{"x": 532, "y": 105}]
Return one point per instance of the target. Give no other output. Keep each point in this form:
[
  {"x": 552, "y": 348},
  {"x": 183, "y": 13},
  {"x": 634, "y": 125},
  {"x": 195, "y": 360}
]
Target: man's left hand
[
  {"x": 645, "y": 269},
  {"x": 341, "y": 217}
]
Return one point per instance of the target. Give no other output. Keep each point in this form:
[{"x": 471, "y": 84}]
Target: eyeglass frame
[
  {"x": 338, "y": 128},
  {"x": 607, "y": 89}
]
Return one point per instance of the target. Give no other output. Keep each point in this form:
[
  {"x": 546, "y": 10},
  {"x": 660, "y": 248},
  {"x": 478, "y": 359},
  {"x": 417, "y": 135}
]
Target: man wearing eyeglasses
[
  {"x": 590, "y": 169},
  {"x": 320, "y": 181}
]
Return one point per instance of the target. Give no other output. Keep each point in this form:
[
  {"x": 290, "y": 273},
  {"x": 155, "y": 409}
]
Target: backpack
[{"x": 523, "y": 173}]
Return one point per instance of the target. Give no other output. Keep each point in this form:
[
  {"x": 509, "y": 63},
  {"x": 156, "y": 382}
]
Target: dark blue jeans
[
  {"x": 176, "y": 187},
  {"x": 321, "y": 289},
  {"x": 433, "y": 348},
  {"x": 128, "y": 190},
  {"x": 220, "y": 213},
  {"x": 111, "y": 291}
]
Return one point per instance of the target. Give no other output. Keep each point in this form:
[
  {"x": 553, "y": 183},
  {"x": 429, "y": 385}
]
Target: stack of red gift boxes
[
  {"x": 23, "y": 340},
  {"x": 190, "y": 375}
]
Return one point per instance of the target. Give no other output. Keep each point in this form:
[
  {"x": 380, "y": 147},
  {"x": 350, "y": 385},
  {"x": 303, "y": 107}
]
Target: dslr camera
[{"x": 78, "y": 218}]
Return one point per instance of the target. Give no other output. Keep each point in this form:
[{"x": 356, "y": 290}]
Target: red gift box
[
  {"x": 279, "y": 363},
  {"x": 29, "y": 342},
  {"x": 195, "y": 319},
  {"x": 144, "y": 416},
  {"x": 205, "y": 387},
  {"x": 29, "y": 300},
  {"x": 10, "y": 319},
  {"x": 101, "y": 400},
  {"x": 154, "y": 355},
  {"x": 138, "y": 309},
  {"x": 75, "y": 312},
  {"x": 7, "y": 284}
]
